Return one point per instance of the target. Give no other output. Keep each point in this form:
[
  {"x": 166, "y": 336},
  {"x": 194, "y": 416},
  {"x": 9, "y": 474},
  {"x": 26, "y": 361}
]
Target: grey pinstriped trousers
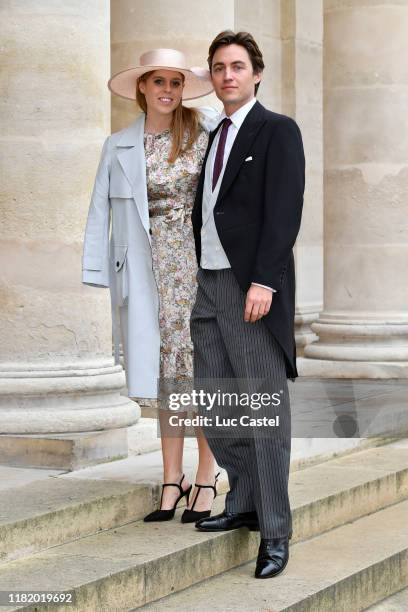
[{"x": 225, "y": 347}]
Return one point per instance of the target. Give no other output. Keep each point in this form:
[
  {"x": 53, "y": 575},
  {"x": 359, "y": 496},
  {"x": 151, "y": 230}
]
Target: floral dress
[{"x": 171, "y": 191}]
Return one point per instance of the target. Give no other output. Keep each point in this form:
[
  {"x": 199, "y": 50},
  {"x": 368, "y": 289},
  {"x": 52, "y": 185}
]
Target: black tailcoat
[{"x": 258, "y": 213}]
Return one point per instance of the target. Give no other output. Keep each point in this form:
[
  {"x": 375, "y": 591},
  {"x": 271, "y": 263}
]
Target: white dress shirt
[{"x": 213, "y": 256}]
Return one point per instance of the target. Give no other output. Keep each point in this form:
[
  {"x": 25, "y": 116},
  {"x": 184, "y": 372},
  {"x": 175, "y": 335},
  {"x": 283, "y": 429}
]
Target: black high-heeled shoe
[
  {"x": 191, "y": 516},
  {"x": 167, "y": 515}
]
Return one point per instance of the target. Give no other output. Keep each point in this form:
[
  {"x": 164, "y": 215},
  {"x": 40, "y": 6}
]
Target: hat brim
[{"x": 197, "y": 81}]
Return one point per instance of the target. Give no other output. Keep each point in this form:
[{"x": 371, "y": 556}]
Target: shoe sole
[
  {"x": 160, "y": 520},
  {"x": 250, "y": 526}
]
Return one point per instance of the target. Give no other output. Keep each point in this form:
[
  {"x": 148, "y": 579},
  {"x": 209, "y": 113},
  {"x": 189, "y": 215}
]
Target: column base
[
  {"x": 304, "y": 334},
  {"x": 364, "y": 347},
  {"x": 63, "y": 451},
  {"x": 322, "y": 368},
  {"x": 59, "y": 398}
]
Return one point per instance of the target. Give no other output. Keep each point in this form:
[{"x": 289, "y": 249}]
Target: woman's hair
[
  {"x": 244, "y": 39},
  {"x": 184, "y": 120}
]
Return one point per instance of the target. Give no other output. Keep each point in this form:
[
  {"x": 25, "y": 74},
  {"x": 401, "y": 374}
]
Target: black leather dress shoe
[
  {"x": 227, "y": 521},
  {"x": 273, "y": 557}
]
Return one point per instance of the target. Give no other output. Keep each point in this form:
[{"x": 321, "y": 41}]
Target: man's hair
[{"x": 246, "y": 40}]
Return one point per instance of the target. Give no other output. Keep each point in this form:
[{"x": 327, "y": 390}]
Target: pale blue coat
[{"x": 117, "y": 252}]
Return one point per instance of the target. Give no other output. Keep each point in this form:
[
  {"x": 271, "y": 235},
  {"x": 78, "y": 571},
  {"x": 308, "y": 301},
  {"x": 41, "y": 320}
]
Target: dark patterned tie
[{"x": 219, "y": 157}]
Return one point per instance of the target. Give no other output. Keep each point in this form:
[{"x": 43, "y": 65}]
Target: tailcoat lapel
[
  {"x": 243, "y": 141},
  {"x": 245, "y": 137}
]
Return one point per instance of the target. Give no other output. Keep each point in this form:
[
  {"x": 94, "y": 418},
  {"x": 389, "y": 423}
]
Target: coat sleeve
[
  {"x": 284, "y": 188},
  {"x": 95, "y": 259}
]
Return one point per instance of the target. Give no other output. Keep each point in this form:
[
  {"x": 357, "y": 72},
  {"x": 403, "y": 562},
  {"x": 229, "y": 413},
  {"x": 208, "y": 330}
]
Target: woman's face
[{"x": 163, "y": 90}]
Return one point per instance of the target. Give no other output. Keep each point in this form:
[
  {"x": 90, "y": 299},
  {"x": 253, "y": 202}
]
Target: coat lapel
[
  {"x": 246, "y": 135},
  {"x": 131, "y": 156}
]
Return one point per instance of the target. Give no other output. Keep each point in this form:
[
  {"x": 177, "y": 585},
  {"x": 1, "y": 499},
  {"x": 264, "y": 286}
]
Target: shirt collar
[{"x": 238, "y": 117}]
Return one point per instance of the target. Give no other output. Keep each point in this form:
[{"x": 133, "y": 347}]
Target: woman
[{"x": 145, "y": 185}]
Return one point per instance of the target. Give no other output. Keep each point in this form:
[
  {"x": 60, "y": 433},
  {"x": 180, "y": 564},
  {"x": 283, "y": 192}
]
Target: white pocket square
[{"x": 249, "y": 158}]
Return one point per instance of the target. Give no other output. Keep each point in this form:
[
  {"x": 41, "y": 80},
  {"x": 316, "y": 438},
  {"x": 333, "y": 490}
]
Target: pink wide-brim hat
[{"x": 197, "y": 81}]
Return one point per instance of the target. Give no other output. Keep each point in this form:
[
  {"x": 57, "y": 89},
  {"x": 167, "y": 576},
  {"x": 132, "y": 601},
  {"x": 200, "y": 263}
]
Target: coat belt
[{"x": 170, "y": 214}]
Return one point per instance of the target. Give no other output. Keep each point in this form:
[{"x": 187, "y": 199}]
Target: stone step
[
  {"x": 47, "y": 513},
  {"x": 346, "y": 570},
  {"x": 394, "y": 603},
  {"x": 38, "y": 512},
  {"x": 138, "y": 563},
  {"x": 143, "y": 437}
]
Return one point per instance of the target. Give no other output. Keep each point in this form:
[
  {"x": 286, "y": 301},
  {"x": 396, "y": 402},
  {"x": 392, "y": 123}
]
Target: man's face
[{"x": 233, "y": 77}]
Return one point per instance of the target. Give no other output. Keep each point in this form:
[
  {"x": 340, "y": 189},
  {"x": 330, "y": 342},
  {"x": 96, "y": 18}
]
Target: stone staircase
[
  {"x": 394, "y": 603},
  {"x": 82, "y": 532}
]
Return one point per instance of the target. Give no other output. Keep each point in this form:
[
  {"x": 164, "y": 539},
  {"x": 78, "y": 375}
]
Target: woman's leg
[
  {"x": 205, "y": 474},
  {"x": 172, "y": 443}
]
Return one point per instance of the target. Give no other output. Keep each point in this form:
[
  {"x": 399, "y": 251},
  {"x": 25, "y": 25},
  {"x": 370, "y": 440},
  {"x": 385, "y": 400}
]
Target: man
[{"x": 246, "y": 218}]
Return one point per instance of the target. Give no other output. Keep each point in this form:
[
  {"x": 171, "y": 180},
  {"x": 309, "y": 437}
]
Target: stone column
[
  {"x": 302, "y": 99},
  {"x": 289, "y": 33},
  {"x": 363, "y": 329},
  {"x": 56, "y": 372},
  {"x": 262, "y": 18}
]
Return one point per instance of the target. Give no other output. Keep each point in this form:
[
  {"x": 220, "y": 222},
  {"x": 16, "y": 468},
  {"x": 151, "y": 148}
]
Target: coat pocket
[{"x": 120, "y": 272}]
